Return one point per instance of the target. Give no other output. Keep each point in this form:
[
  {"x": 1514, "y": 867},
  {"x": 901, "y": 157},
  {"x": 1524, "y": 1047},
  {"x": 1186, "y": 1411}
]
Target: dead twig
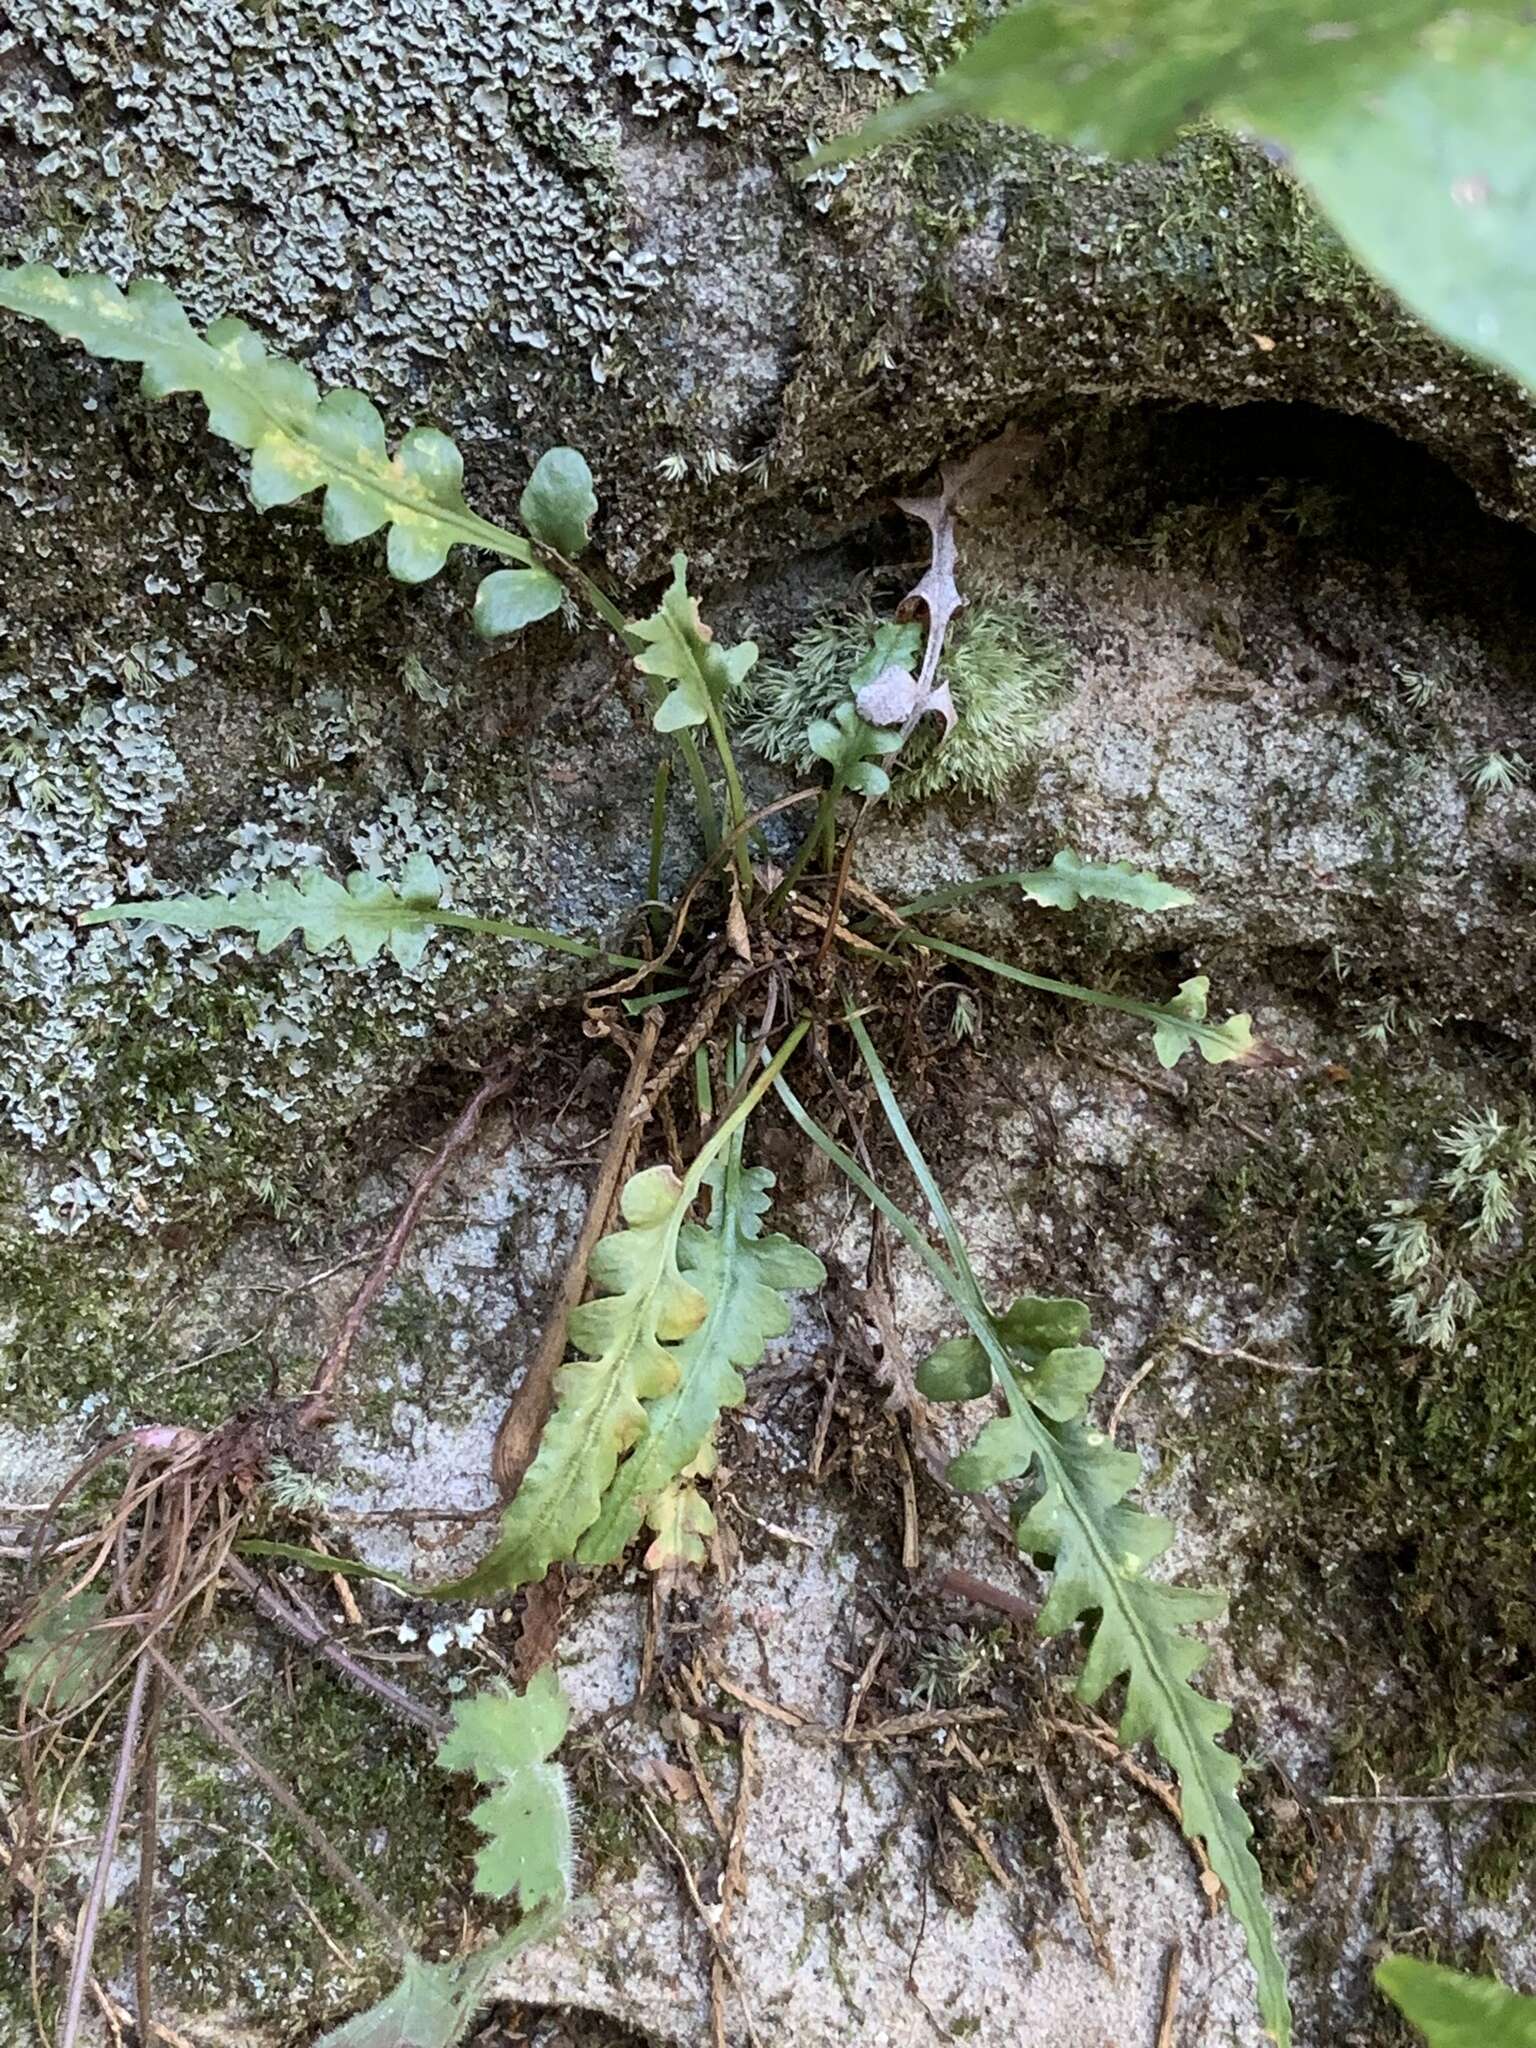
[
  {"x": 1524, "y": 1795},
  {"x": 1101, "y": 1737},
  {"x": 966, "y": 1587},
  {"x": 708, "y": 1921},
  {"x": 224, "y": 1733},
  {"x": 866, "y": 1679},
  {"x": 1173, "y": 1971},
  {"x": 1077, "y": 1876},
  {"x": 111, "y": 1828},
  {"x": 287, "y": 1614},
  {"x": 733, "y": 1879},
  {"x": 976, "y": 1836},
  {"x": 523, "y": 1424}
]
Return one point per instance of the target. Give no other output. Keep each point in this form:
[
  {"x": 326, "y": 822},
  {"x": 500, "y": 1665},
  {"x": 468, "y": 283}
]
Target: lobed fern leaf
[
  {"x": 677, "y": 647},
  {"x": 506, "y": 1741},
  {"x": 366, "y": 914},
  {"x": 1098, "y": 1546},
  {"x": 627, "y": 1338},
  {"x": 1099, "y": 1549},
  {"x": 298, "y": 441},
  {"x": 744, "y": 1276},
  {"x": 630, "y": 1339},
  {"x": 1183, "y": 1024},
  {"x": 850, "y": 744},
  {"x": 1068, "y": 881}
]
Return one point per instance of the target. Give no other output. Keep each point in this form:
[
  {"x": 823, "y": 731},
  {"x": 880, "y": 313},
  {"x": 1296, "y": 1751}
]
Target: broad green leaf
[
  {"x": 63, "y": 1657},
  {"x": 367, "y": 914},
  {"x": 1174, "y": 1034},
  {"x": 1452, "y": 2010},
  {"x": 1076, "y": 1516},
  {"x": 298, "y": 441},
  {"x": 1068, "y": 881},
  {"x": 628, "y": 1338},
  {"x": 559, "y": 504},
  {"x": 1410, "y": 120},
  {"x": 505, "y": 1740},
  {"x": 509, "y": 599},
  {"x": 744, "y": 1276},
  {"x": 678, "y": 648}
]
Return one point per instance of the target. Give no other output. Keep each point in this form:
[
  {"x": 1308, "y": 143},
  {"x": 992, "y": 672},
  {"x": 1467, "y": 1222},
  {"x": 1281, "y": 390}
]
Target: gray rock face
[{"x": 1299, "y": 643}]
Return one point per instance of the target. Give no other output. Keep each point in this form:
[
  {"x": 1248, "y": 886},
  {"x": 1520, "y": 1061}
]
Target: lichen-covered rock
[{"x": 1298, "y": 684}]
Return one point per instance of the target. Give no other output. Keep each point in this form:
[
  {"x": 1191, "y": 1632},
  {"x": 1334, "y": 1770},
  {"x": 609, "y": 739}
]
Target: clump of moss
[
  {"x": 1005, "y": 669},
  {"x": 1400, "y": 1484}
]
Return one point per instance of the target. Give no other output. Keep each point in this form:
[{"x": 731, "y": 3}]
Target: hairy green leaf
[
  {"x": 678, "y": 648},
  {"x": 559, "y": 504},
  {"x": 1452, "y": 2010},
  {"x": 298, "y": 441},
  {"x": 509, "y": 599},
  {"x": 1175, "y": 1032},
  {"x": 366, "y": 915},
  {"x": 1409, "y": 120},
  {"x": 430, "y": 2007},
  {"x": 63, "y": 1657},
  {"x": 744, "y": 1276},
  {"x": 505, "y": 1742},
  {"x": 1068, "y": 881},
  {"x": 1099, "y": 1548}
]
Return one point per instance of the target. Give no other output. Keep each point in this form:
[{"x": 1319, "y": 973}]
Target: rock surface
[{"x": 1299, "y": 637}]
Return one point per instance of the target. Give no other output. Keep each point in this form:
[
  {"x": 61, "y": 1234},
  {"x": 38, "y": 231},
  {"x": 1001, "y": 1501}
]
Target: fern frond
[
  {"x": 678, "y": 648},
  {"x": 366, "y": 914},
  {"x": 1099, "y": 1549},
  {"x": 1068, "y": 881},
  {"x": 852, "y": 746},
  {"x": 629, "y": 1337},
  {"x": 744, "y": 1277},
  {"x": 1176, "y": 1026},
  {"x": 298, "y": 441},
  {"x": 505, "y": 1741}
]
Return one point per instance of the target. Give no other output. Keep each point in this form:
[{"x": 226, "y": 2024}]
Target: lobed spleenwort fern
[
  {"x": 744, "y": 1275},
  {"x": 1077, "y": 1518},
  {"x": 299, "y": 441},
  {"x": 506, "y": 1741},
  {"x": 631, "y": 1338},
  {"x": 365, "y": 914}
]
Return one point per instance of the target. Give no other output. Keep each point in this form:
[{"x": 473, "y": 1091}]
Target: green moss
[
  {"x": 1005, "y": 669},
  {"x": 241, "y": 1930},
  {"x": 1400, "y": 1484}
]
